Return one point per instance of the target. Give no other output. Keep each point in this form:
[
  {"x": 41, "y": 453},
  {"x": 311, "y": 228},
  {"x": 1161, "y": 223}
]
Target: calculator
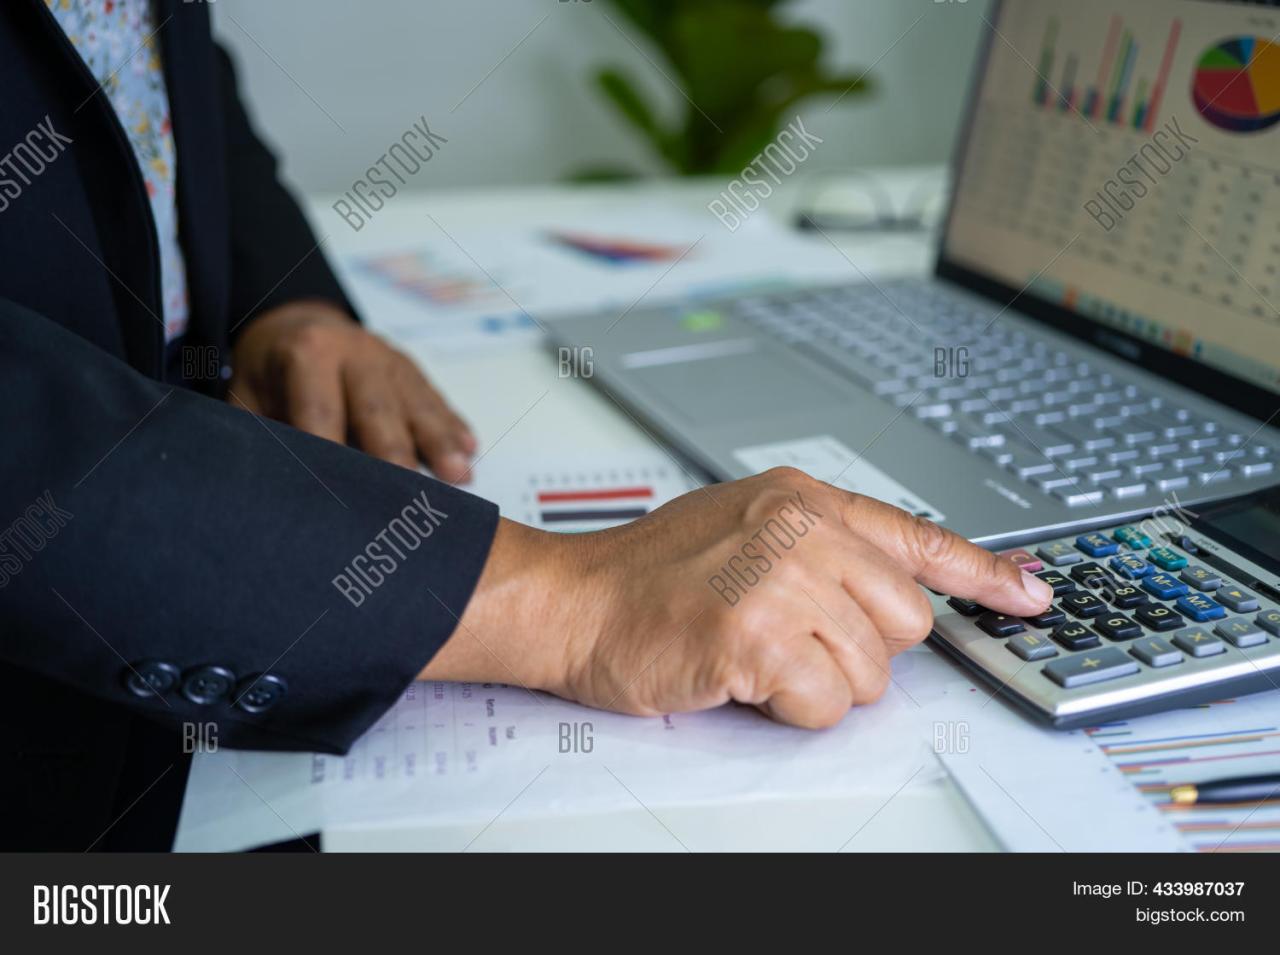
[{"x": 1173, "y": 608}]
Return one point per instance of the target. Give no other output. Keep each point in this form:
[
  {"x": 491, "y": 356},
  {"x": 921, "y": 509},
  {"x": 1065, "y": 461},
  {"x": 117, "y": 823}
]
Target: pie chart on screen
[{"x": 1237, "y": 84}]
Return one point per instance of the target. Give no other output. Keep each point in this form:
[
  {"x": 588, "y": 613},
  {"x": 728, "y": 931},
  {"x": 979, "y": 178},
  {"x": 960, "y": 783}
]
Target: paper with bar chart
[
  {"x": 1218, "y": 741},
  {"x": 584, "y": 492},
  {"x": 1106, "y": 789}
]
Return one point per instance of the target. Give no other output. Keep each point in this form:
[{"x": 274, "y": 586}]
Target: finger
[
  {"x": 442, "y": 438},
  {"x": 378, "y": 420},
  {"x": 945, "y": 561},
  {"x": 811, "y": 691},
  {"x": 854, "y": 642},
  {"x": 313, "y": 402},
  {"x": 889, "y": 596}
]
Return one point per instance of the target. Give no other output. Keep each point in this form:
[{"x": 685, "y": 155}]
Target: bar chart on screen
[{"x": 1221, "y": 740}]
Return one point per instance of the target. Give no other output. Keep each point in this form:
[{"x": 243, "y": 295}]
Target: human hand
[
  {"x": 778, "y": 591},
  {"x": 310, "y": 365}
]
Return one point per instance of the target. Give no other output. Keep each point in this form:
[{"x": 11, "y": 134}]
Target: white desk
[{"x": 492, "y": 390}]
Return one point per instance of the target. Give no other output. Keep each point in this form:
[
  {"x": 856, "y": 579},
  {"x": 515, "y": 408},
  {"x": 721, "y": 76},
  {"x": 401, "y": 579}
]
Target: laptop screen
[{"x": 1120, "y": 177}]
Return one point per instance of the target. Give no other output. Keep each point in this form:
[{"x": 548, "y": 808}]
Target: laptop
[{"x": 1100, "y": 336}]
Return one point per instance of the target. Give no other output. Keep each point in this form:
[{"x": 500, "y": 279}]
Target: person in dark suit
[{"x": 186, "y": 540}]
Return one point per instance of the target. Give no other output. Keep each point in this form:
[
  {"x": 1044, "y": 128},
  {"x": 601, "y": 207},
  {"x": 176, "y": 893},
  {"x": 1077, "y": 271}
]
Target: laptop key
[
  {"x": 1073, "y": 496},
  {"x": 1094, "y": 666},
  {"x": 1172, "y": 483},
  {"x": 1125, "y": 487},
  {"x": 1155, "y": 652},
  {"x": 1198, "y": 642},
  {"x": 1256, "y": 469}
]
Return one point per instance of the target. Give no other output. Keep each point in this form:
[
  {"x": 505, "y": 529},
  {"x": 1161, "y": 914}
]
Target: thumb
[{"x": 947, "y": 563}]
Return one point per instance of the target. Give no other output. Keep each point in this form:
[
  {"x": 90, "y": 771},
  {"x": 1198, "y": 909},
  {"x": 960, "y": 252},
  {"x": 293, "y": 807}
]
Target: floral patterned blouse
[{"x": 117, "y": 41}]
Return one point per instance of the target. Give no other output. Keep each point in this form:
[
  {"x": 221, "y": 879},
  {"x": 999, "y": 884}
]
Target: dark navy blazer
[{"x": 191, "y": 547}]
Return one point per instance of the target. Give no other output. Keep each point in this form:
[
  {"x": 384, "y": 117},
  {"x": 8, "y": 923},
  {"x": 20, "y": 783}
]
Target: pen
[{"x": 1236, "y": 789}]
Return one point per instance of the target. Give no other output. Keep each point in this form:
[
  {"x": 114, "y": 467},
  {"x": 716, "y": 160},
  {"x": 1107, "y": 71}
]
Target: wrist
[{"x": 533, "y": 616}]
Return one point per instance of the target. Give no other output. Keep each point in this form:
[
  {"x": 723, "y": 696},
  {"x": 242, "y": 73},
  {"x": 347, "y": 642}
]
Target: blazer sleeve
[
  {"x": 162, "y": 550},
  {"x": 275, "y": 257}
]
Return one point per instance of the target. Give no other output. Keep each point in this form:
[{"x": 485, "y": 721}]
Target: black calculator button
[
  {"x": 1030, "y": 646},
  {"x": 1198, "y": 642},
  {"x": 1050, "y": 618},
  {"x": 967, "y": 607},
  {"x": 1083, "y": 605},
  {"x": 999, "y": 624},
  {"x": 1159, "y": 617},
  {"x": 1061, "y": 585},
  {"x": 1076, "y": 636},
  {"x": 1090, "y": 574},
  {"x": 1116, "y": 626},
  {"x": 1127, "y": 597},
  {"x": 1081, "y": 669},
  {"x": 1155, "y": 652}
]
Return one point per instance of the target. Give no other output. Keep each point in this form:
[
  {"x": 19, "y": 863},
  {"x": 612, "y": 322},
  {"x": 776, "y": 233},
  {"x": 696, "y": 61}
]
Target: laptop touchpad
[{"x": 737, "y": 387}]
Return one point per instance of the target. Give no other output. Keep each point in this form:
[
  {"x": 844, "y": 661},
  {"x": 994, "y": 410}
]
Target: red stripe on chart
[{"x": 611, "y": 494}]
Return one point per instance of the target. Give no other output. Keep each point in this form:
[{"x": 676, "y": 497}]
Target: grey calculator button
[
  {"x": 1236, "y": 598},
  {"x": 1058, "y": 553},
  {"x": 1155, "y": 652},
  {"x": 1198, "y": 642},
  {"x": 1269, "y": 620},
  {"x": 1092, "y": 666},
  {"x": 1240, "y": 632},
  {"x": 1029, "y": 646},
  {"x": 1201, "y": 578}
]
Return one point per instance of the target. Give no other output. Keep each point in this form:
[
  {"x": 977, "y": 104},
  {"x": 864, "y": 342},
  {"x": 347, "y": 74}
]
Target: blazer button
[
  {"x": 207, "y": 684},
  {"x": 258, "y": 694},
  {"x": 151, "y": 678}
]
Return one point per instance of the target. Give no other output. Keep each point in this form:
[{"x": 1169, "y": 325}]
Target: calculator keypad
[{"x": 1126, "y": 608}]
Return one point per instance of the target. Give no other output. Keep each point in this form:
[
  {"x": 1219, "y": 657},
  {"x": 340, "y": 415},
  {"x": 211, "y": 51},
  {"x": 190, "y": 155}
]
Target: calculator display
[{"x": 1249, "y": 525}]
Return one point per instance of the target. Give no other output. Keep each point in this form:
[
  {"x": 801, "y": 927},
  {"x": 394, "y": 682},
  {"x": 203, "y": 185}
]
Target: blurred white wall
[{"x": 331, "y": 83}]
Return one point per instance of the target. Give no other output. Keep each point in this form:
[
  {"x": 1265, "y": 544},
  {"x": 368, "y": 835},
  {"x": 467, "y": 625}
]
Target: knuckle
[
  {"x": 309, "y": 340},
  {"x": 928, "y": 543}
]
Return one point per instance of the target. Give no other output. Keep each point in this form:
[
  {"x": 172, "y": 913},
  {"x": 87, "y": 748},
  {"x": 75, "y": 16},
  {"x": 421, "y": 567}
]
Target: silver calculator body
[{"x": 1165, "y": 611}]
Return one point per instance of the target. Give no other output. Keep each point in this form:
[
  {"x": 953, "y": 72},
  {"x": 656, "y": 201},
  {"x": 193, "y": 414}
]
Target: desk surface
[{"x": 927, "y": 815}]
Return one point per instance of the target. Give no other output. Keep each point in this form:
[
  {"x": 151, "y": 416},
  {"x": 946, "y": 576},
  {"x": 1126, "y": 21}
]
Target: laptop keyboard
[{"x": 1047, "y": 417}]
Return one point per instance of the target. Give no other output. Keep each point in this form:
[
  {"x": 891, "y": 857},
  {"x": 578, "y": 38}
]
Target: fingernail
[
  {"x": 1036, "y": 589},
  {"x": 457, "y": 464}
]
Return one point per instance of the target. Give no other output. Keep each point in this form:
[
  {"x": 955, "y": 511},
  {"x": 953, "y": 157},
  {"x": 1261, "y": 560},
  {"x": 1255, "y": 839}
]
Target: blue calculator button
[
  {"x": 1097, "y": 545},
  {"x": 1132, "y": 537},
  {"x": 1200, "y": 608},
  {"x": 1166, "y": 558},
  {"x": 1164, "y": 586},
  {"x": 1129, "y": 566}
]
